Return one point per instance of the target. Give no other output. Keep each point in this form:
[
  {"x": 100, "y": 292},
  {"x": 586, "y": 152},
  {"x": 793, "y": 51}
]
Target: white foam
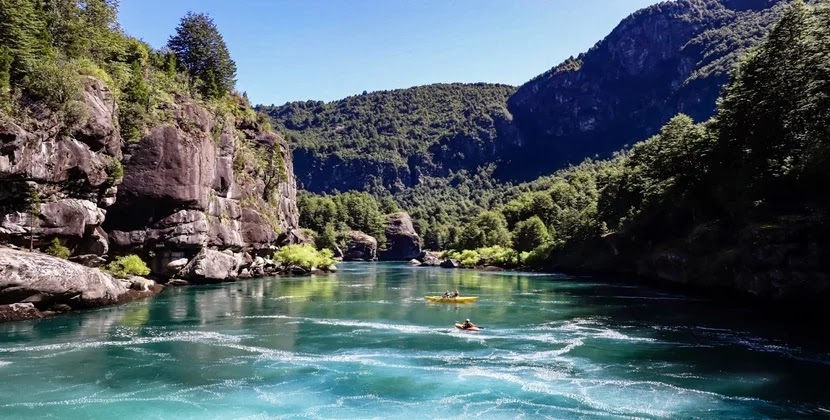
[{"x": 4, "y": 363}]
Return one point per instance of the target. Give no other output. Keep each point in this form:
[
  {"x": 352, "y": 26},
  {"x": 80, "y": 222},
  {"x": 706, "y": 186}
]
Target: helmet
[{"x": 466, "y": 320}]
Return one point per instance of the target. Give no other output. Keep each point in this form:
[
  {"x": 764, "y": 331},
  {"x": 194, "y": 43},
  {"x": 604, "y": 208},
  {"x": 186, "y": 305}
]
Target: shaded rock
[
  {"x": 332, "y": 269},
  {"x": 177, "y": 283},
  {"x": 44, "y": 281},
  {"x": 450, "y": 264},
  {"x": 244, "y": 274},
  {"x": 360, "y": 246},
  {"x": 18, "y": 312},
  {"x": 402, "y": 242},
  {"x": 89, "y": 260},
  {"x": 210, "y": 266}
]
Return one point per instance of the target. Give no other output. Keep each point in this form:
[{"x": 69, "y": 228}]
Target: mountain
[
  {"x": 667, "y": 58},
  {"x": 391, "y": 139}
]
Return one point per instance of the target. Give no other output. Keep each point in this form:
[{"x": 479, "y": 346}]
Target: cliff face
[
  {"x": 666, "y": 59},
  {"x": 200, "y": 180}
]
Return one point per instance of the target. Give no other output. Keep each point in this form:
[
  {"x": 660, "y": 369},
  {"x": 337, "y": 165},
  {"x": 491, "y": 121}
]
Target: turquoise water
[{"x": 362, "y": 343}]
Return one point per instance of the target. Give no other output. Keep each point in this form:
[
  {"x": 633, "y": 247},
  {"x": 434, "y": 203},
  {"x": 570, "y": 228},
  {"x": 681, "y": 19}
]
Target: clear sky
[{"x": 289, "y": 50}]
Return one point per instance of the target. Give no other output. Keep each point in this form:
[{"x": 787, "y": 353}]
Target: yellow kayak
[{"x": 460, "y": 299}]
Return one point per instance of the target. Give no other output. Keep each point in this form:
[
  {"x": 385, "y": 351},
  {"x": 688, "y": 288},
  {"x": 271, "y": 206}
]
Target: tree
[
  {"x": 200, "y": 49},
  {"x": 488, "y": 229},
  {"x": 530, "y": 234}
]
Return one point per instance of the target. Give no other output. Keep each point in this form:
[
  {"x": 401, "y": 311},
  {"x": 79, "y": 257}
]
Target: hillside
[
  {"x": 389, "y": 140},
  {"x": 662, "y": 60},
  {"x": 109, "y": 147},
  {"x": 668, "y": 58}
]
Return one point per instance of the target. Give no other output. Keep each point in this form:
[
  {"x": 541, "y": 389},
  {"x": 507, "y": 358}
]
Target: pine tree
[{"x": 200, "y": 49}]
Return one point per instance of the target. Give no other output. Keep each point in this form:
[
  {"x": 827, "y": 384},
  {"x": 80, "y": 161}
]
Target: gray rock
[
  {"x": 414, "y": 262},
  {"x": 360, "y": 246},
  {"x": 45, "y": 280},
  {"x": 402, "y": 242},
  {"x": 18, "y": 312},
  {"x": 209, "y": 265},
  {"x": 141, "y": 284}
]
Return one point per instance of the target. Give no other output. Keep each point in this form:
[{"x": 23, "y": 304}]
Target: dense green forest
[
  {"x": 762, "y": 158},
  {"x": 389, "y": 140}
]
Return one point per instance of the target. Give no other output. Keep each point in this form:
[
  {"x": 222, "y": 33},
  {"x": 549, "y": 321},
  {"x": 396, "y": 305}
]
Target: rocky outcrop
[
  {"x": 402, "y": 242},
  {"x": 202, "y": 183},
  {"x": 360, "y": 247},
  {"x": 51, "y": 284},
  {"x": 56, "y": 174}
]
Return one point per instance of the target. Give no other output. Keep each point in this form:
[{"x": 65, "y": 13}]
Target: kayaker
[
  {"x": 467, "y": 324},
  {"x": 447, "y": 293},
  {"x": 455, "y": 295}
]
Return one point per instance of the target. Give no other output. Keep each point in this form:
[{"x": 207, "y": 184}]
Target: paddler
[{"x": 467, "y": 324}]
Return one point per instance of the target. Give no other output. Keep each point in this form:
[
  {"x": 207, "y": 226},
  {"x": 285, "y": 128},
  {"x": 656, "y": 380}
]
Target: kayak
[
  {"x": 461, "y": 327},
  {"x": 460, "y": 299}
]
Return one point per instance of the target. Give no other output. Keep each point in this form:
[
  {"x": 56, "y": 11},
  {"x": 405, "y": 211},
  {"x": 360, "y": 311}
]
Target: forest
[{"x": 762, "y": 158}]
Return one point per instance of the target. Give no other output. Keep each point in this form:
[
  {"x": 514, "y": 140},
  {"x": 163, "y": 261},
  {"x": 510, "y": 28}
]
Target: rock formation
[
  {"x": 360, "y": 247},
  {"x": 33, "y": 283},
  {"x": 402, "y": 242}
]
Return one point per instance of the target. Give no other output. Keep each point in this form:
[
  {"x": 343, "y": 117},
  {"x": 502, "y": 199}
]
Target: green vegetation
[
  {"x": 127, "y": 266},
  {"x": 384, "y": 141},
  {"x": 200, "y": 49},
  {"x": 304, "y": 256},
  {"x": 763, "y": 157},
  {"x": 332, "y": 217},
  {"x": 59, "y": 250},
  {"x": 494, "y": 255}
]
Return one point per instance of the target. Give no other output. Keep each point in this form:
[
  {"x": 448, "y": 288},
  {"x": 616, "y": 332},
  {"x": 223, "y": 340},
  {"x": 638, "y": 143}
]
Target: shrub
[
  {"x": 59, "y": 250},
  {"x": 115, "y": 171},
  {"x": 54, "y": 82},
  {"x": 126, "y": 266},
  {"x": 305, "y": 256}
]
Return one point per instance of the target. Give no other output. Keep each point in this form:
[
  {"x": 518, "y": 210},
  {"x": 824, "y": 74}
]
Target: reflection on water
[{"x": 363, "y": 343}]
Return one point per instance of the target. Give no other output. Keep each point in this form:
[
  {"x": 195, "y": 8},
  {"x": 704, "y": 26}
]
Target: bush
[
  {"x": 305, "y": 256},
  {"x": 59, "y": 250},
  {"x": 126, "y": 266},
  {"x": 54, "y": 82}
]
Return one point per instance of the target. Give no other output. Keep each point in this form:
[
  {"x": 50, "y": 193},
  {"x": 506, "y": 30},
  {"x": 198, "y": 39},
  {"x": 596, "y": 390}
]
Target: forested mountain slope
[
  {"x": 389, "y": 140},
  {"x": 662, "y": 60},
  {"x": 668, "y": 58}
]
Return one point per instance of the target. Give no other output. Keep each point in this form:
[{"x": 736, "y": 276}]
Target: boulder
[
  {"x": 430, "y": 260},
  {"x": 44, "y": 281},
  {"x": 414, "y": 262},
  {"x": 450, "y": 264},
  {"x": 210, "y": 266},
  {"x": 402, "y": 242},
  {"x": 360, "y": 246},
  {"x": 18, "y": 312}
]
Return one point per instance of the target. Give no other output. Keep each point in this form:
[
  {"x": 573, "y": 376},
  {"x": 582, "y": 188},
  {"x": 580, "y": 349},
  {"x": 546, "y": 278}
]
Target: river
[{"x": 363, "y": 343}]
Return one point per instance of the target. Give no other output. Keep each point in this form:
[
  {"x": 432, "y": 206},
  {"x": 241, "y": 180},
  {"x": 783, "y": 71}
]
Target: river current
[{"x": 363, "y": 343}]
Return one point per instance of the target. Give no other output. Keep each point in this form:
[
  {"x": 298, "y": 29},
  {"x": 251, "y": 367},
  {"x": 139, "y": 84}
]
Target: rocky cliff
[
  {"x": 670, "y": 58},
  {"x": 201, "y": 179}
]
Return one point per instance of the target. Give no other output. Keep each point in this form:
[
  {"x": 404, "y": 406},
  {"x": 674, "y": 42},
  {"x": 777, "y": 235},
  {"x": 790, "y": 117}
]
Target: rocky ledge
[{"x": 34, "y": 285}]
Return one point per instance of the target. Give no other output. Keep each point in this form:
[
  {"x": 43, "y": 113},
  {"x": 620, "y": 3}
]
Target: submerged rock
[{"x": 210, "y": 266}]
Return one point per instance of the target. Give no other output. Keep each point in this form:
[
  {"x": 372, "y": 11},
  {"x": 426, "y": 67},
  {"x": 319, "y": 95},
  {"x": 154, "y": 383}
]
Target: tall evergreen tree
[{"x": 200, "y": 49}]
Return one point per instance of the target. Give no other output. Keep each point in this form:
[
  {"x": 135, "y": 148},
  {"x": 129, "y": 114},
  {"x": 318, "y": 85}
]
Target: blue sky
[{"x": 329, "y": 49}]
